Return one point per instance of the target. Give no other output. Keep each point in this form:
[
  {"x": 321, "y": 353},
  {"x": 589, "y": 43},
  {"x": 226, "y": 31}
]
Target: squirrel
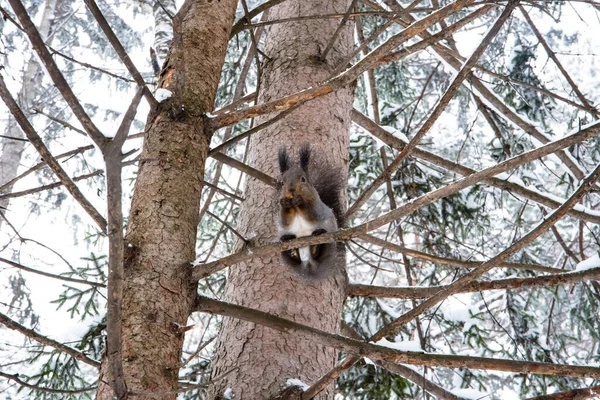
[{"x": 309, "y": 205}]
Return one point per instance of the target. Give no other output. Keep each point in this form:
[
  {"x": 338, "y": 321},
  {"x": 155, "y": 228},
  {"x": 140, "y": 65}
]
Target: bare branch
[
  {"x": 116, "y": 44},
  {"x": 62, "y": 278},
  {"x": 41, "y": 148},
  {"x": 50, "y": 185},
  {"x": 450, "y": 261},
  {"x": 338, "y": 30},
  {"x": 121, "y": 135},
  {"x": 499, "y": 284},
  {"x": 57, "y": 77},
  {"x": 239, "y": 25},
  {"x": 253, "y": 172},
  {"x": 16, "y": 378},
  {"x": 30, "y": 333},
  {"x": 397, "y": 369},
  {"x": 381, "y": 353},
  {"x": 392, "y": 141},
  {"x": 462, "y": 282},
  {"x": 437, "y": 111},
  {"x": 343, "y": 79},
  {"x": 254, "y": 130}
]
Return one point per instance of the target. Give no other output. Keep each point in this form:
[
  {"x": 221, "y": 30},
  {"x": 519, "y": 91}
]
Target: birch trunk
[
  {"x": 161, "y": 235},
  {"x": 262, "y": 359}
]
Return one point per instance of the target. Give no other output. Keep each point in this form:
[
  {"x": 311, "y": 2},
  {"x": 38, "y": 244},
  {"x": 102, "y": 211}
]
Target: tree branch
[
  {"x": 500, "y": 284},
  {"x": 340, "y": 80},
  {"x": 450, "y": 261},
  {"x": 57, "y": 77},
  {"x": 385, "y": 354},
  {"x": 437, "y": 111},
  {"x": 370, "y": 126},
  {"x": 116, "y": 44},
  {"x": 41, "y": 148},
  {"x": 50, "y": 185},
  {"x": 19, "y": 381},
  {"x": 577, "y": 394},
  {"x": 62, "y": 278},
  {"x": 464, "y": 281},
  {"x": 30, "y": 333}
]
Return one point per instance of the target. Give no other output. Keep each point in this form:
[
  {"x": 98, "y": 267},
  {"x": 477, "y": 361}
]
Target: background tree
[{"x": 486, "y": 253}]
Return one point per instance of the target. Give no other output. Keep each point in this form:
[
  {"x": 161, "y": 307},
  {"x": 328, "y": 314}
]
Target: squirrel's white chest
[{"x": 301, "y": 227}]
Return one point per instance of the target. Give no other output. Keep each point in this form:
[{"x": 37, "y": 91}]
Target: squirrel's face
[{"x": 296, "y": 182}]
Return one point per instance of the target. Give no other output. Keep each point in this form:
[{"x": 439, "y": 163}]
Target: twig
[
  {"x": 239, "y": 25},
  {"x": 475, "y": 286},
  {"x": 236, "y": 103},
  {"x": 90, "y": 66},
  {"x": 253, "y": 172},
  {"x": 341, "y": 25},
  {"x": 437, "y": 111},
  {"x": 41, "y": 148},
  {"x": 340, "y": 80},
  {"x": 449, "y": 261},
  {"x": 57, "y": 77},
  {"x": 18, "y": 380},
  {"x": 225, "y": 224},
  {"x": 254, "y": 130},
  {"x": 223, "y": 191},
  {"x": 392, "y": 141},
  {"x": 551, "y": 54},
  {"x": 116, "y": 44},
  {"x": 381, "y": 353},
  {"x": 62, "y": 278},
  {"x": 50, "y": 185},
  {"x": 311, "y": 17},
  {"x": 30, "y": 333}
]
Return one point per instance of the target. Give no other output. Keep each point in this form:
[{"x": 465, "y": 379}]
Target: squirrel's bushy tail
[{"x": 327, "y": 181}]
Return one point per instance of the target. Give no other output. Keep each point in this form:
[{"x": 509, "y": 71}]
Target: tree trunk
[
  {"x": 260, "y": 360},
  {"x": 11, "y": 149},
  {"x": 161, "y": 235}
]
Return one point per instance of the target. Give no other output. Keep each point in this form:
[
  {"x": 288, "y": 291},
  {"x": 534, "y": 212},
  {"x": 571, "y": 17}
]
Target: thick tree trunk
[
  {"x": 11, "y": 150},
  {"x": 161, "y": 235},
  {"x": 261, "y": 359}
]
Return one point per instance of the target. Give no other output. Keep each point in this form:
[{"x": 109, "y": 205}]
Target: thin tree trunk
[
  {"x": 161, "y": 236},
  {"x": 11, "y": 147},
  {"x": 260, "y": 360}
]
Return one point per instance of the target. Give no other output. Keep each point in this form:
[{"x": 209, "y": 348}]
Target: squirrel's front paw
[
  {"x": 286, "y": 202},
  {"x": 286, "y": 238},
  {"x": 319, "y": 232},
  {"x": 297, "y": 200}
]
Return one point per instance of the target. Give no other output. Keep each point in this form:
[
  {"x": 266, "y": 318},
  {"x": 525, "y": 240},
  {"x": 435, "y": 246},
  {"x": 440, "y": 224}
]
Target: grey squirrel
[{"x": 309, "y": 205}]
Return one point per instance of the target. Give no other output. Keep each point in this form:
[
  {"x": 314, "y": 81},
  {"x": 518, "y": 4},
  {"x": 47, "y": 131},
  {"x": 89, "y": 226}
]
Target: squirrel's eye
[{"x": 303, "y": 179}]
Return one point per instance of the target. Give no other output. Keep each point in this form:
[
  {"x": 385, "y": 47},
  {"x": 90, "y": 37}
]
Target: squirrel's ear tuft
[
  {"x": 284, "y": 160},
  {"x": 304, "y": 156}
]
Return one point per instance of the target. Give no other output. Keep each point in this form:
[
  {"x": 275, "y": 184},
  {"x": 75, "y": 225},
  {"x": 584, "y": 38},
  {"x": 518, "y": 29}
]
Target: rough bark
[
  {"x": 160, "y": 242},
  {"x": 11, "y": 150},
  {"x": 261, "y": 358}
]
